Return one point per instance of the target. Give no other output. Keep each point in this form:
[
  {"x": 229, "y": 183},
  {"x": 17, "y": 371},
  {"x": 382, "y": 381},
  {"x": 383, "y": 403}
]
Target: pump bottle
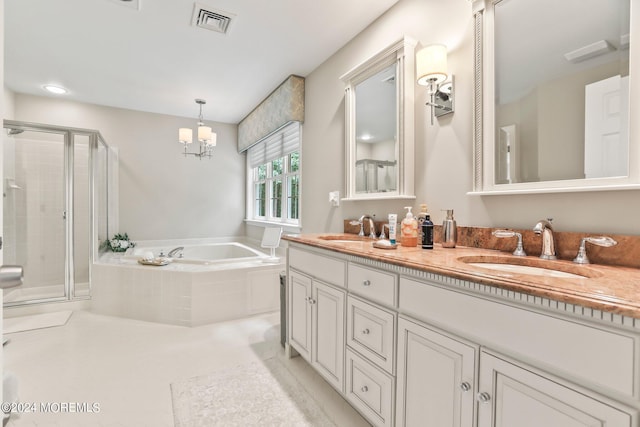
[
  {"x": 427, "y": 233},
  {"x": 449, "y": 231},
  {"x": 409, "y": 230}
]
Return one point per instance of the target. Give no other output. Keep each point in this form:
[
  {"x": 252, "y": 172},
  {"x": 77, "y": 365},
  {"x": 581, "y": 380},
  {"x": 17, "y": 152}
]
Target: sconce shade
[
  {"x": 431, "y": 64},
  {"x": 185, "y": 135}
]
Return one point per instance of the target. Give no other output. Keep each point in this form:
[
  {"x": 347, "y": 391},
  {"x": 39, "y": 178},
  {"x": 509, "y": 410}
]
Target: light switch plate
[{"x": 334, "y": 198}]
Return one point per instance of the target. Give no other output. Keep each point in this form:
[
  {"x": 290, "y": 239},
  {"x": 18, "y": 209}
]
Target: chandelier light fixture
[{"x": 206, "y": 138}]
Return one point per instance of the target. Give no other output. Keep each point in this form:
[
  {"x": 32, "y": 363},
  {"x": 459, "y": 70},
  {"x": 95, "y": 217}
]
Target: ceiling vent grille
[{"x": 210, "y": 19}]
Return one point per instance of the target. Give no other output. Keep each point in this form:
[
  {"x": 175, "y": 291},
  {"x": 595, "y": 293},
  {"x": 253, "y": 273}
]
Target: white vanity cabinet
[
  {"x": 317, "y": 313},
  {"x": 515, "y": 395},
  {"x": 371, "y": 344},
  {"x": 436, "y": 377},
  {"x": 535, "y": 368},
  {"x": 410, "y": 348}
]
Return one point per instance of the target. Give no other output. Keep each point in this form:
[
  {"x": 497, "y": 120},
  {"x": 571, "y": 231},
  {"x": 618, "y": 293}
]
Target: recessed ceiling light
[{"x": 58, "y": 90}]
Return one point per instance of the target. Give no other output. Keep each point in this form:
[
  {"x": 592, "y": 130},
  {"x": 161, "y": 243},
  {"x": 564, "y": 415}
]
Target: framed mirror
[
  {"x": 554, "y": 96},
  {"x": 379, "y": 130}
]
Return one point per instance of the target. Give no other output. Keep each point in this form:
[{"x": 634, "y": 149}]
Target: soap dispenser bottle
[
  {"x": 422, "y": 215},
  {"x": 409, "y": 229},
  {"x": 427, "y": 232},
  {"x": 449, "y": 231}
]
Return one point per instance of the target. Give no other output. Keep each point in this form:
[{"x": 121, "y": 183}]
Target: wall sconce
[
  {"x": 206, "y": 138},
  {"x": 431, "y": 69}
]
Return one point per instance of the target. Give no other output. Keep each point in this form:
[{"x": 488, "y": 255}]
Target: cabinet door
[
  {"x": 435, "y": 383},
  {"x": 510, "y": 395},
  {"x": 328, "y": 326},
  {"x": 300, "y": 314}
]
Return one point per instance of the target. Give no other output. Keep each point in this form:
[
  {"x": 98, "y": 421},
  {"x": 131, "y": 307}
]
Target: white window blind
[{"x": 280, "y": 143}]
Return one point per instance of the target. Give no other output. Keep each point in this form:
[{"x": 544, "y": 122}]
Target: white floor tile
[{"x": 126, "y": 366}]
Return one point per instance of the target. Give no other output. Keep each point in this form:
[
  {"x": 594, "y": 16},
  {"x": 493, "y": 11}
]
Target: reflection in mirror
[
  {"x": 376, "y": 133},
  {"x": 553, "y": 95},
  {"x": 561, "y": 90},
  {"x": 379, "y": 124}
]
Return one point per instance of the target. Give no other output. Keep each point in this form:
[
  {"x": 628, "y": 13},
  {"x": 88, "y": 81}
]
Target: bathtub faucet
[{"x": 177, "y": 251}]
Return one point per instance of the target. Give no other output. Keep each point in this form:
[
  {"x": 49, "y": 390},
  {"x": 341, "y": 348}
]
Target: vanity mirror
[
  {"x": 379, "y": 103},
  {"x": 554, "y": 97}
]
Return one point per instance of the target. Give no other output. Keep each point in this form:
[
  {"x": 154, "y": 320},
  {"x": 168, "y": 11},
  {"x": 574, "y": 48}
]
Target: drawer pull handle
[
  {"x": 484, "y": 397},
  {"x": 364, "y": 389},
  {"x": 365, "y": 332},
  {"x": 465, "y": 386},
  {"x": 366, "y": 283}
]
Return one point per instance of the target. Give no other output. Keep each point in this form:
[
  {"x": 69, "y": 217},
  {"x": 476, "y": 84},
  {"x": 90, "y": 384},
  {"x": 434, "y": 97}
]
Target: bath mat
[
  {"x": 257, "y": 394},
  {"x": 35, "y": 321}
]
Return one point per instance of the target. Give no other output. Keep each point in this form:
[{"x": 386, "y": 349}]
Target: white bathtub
[
  {"x": 204, "y": 254},
  {"x": 211, "y": 283}
]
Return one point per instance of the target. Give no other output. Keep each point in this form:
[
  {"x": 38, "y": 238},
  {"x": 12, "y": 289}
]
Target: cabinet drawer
[
  {"x": 370, "y": 331},
  {"x": 598, "y": 356},
  {"x": 318, "y": 266},
  {"x": 372, "y": 284},
  {"x": 369, "y": 390}
]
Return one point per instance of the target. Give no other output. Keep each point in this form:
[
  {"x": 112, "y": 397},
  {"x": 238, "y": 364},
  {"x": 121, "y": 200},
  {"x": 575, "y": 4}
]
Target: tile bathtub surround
[{"x": 625, "y": 254}]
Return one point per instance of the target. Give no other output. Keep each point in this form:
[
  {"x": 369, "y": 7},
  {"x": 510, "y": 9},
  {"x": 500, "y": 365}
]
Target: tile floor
[{"x": 126, "y": 366}]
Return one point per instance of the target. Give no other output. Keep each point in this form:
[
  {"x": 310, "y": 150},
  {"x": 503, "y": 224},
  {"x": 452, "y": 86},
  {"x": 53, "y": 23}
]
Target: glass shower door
[{"x": 34, "y": 207}]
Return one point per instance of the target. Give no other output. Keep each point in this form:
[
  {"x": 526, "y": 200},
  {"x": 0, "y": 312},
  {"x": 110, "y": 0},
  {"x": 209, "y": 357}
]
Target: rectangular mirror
[
  {"x": 376, "y": 133},
  {"x": 553, "y": 96},
  {"x": 379, "y": 125}
]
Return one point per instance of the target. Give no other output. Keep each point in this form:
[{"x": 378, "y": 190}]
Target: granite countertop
[{"x": 607, "y": 288}]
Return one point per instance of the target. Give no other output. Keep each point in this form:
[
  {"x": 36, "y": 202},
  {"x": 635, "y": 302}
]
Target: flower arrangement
[{"x": 120, "y": 243}]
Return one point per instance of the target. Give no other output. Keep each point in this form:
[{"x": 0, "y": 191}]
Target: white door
[
  {"x": 606, "y": 128},
  {"x": 435, "y": 383},
  {"x": 507, "y": 160},
  {"x": 328, "y": 325},
  {"x": 510, "y": 395},
  {"x": 300, "y": 314}
]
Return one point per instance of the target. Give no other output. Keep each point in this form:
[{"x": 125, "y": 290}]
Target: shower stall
[{"x": 56, "y": 209}]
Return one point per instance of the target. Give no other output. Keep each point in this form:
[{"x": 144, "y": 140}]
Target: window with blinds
[{"x": 273, "y": 166}]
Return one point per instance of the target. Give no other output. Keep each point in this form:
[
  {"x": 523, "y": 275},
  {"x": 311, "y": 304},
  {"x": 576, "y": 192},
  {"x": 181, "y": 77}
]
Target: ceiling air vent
[{"x": 211, "y": 19}]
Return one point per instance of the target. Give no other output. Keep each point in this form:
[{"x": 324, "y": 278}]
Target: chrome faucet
[
  {"x": 545, "y": 228},
  {"x": 372, "y": 226},
  {"x": 173, "y": 252}
]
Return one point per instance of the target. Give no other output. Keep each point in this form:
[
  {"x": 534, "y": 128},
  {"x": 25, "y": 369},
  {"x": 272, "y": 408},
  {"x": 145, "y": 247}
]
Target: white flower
[
  {"x": 124, "y": 244},
  {"x": 115, "y": 243}
]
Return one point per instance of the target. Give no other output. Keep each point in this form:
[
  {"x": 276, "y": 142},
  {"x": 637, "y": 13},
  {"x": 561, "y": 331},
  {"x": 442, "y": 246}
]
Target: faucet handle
[
  {"x": 382, "y": 234},
  {"x": 361, "y": 224},
  {"x": 508, "y": 233},
  {"x": 605, "y": 241}
]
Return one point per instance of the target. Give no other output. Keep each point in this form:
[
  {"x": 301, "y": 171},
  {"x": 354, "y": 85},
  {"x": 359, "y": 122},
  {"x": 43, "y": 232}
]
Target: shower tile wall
[{"x": 34, "y": 227}]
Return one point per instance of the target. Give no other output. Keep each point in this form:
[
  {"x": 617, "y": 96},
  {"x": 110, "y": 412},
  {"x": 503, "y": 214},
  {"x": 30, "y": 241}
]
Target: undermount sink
[
  {"x": 529, "y": 266},
  {"x": 341, "y": 238}
]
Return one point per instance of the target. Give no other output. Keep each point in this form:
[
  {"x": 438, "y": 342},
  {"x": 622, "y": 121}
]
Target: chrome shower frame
[{"x": 96, "y": 140}]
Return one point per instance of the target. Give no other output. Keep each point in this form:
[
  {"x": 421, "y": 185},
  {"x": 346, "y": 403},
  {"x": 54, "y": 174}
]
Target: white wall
[
  {"x": 443, "y": 157},
  {"x": 165, "y": 196},
  {"x": 162, "y": 194}
]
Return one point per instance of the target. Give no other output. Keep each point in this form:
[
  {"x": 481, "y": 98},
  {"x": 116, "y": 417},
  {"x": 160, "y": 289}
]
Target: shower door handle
[
  {"x": 11, "y": 276},
  {"x": 64, "y": 215}
]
